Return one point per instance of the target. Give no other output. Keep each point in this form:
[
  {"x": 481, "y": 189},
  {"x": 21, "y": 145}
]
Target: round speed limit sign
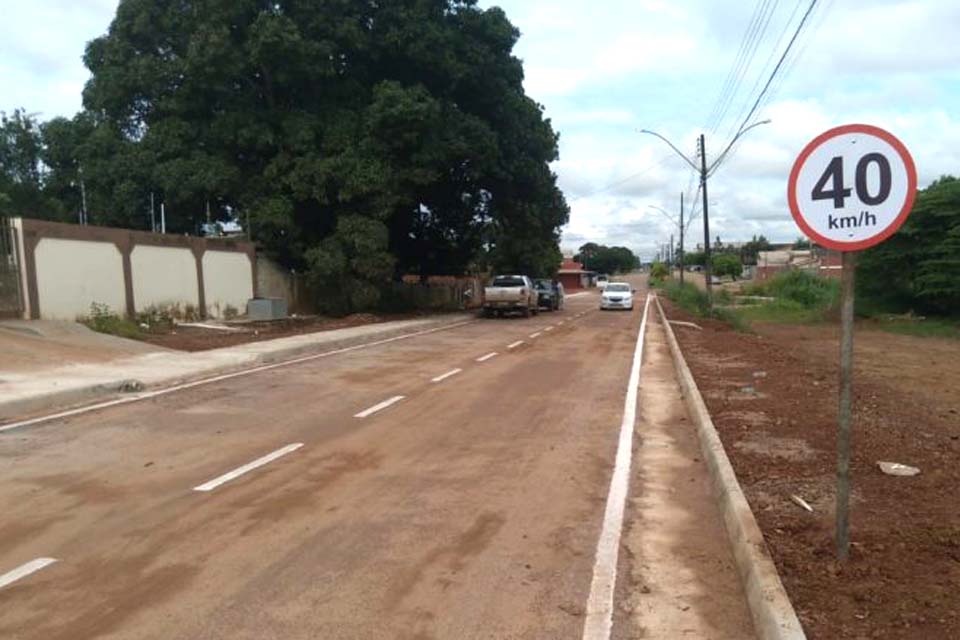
[{"x": 852, "y": 187}]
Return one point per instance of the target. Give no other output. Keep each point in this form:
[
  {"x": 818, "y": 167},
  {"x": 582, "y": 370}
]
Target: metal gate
[{"x": 11, "y": 295}]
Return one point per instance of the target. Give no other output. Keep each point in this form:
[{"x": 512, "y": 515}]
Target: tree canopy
[
  {"x": 604, "y": 259},
  {"x": 400, "y": 128},
  {"x": 918, "y": 268}
]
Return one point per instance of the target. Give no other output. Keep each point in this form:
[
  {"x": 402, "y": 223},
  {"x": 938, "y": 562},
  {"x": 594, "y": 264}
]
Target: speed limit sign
[{"x": 852, "y": 187}]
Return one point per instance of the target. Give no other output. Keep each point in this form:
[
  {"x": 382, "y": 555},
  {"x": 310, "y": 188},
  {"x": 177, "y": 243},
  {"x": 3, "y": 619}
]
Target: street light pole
[
  {"x": 707, "y": 270},
  {"x": 705, "y": 172},
  {"x": 681, "y": 238}
]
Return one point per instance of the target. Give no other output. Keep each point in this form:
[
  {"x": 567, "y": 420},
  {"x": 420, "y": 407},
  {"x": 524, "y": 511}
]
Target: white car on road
[{"x": 617, "y": 295}]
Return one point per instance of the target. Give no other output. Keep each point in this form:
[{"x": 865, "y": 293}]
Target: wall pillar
[
  {"x": 125, "y": 247},
  {"x": 198, "y": 252}
]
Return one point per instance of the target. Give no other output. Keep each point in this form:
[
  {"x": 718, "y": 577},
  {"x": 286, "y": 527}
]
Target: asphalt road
[{"x": 468, "y": 506}]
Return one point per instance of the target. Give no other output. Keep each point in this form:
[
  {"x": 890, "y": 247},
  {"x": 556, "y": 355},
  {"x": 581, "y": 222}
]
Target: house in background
[
  {"x": 818, "y": 260},
  {"x": 574, "y": 277}
]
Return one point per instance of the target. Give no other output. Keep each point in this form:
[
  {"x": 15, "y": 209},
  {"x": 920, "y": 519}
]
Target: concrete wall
[
  {"x": 273, "y": 281},
  {"x": 67, "y": 267},
  {"x": 73, "y": 274},
  {"x": 164, "y": 277},
  {"x": 227, "y": 280}
]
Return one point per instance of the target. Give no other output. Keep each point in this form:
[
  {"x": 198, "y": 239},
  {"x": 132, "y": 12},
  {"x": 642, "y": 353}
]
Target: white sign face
[{"x": 852, "y": 187}]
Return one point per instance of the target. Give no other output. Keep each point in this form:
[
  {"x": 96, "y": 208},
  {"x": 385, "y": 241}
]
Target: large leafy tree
[
  {"x": 326, "y": 123},
  {"x": 22, "y": 173},
  {"x": 919, "y": 266}
]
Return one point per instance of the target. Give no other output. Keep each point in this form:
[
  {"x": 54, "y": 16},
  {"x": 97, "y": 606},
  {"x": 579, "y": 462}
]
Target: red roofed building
[{"x": 573, "y": 276}]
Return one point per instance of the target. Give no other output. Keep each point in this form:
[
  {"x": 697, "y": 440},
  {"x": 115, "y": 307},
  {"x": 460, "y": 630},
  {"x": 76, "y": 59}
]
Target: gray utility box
[{"x": 266, "y": 309}]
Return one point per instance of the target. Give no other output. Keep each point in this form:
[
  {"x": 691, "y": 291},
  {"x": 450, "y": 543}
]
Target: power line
[
  {"x": 735, "y": 67},
  {"x": 792, "y": 58},
  {"x": 767, "y": 9},
  {"x": 803, "y": 21},
  {"x": 621, "y": 181},
  {"x": 766, "y": 66}
]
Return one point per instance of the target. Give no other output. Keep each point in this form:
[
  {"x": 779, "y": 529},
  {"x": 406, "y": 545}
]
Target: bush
[
  {"x": 695, "y": 302},
  {"x": 103, "y": 320},
  {"x": 806, "y": 289},
  {"x": 727, "y": 264},
  {"x": 688, "y": 297}
]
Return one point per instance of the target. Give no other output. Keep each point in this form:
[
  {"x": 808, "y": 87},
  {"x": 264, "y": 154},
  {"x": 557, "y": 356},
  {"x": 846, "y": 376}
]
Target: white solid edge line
[
  {"x": 226, "y": 376},
  {"x": 535, "y": 335},
  {"x": 446, "y": 375},
  {"x": 379, "y": 407},
  {"x": 24, "y": 570},
  {"x": 514, "y": 345},
  {"x": 250, "y": 466},
  {"x": 599, "y": 614},
  {"x": 492, "y": 354}
]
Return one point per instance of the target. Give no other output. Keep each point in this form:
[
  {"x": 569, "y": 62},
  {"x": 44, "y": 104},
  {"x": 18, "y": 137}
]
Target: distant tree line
[
  {"x": 359, "y": 141},
  {"x": 604, "y": 259}
]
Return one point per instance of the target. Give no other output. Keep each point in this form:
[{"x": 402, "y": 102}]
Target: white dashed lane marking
[
  {"x": 24, "y": 570},
  {"x": 448, "y": 374},
  {"x": 250, "y": 466}
]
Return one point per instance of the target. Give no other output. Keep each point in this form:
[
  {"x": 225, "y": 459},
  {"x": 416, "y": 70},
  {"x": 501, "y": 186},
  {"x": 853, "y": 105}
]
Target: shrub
[
  {"x": 727, "y": 264},
  {"x": 806, "y": 289},
  {"x": 103, "y": 320},
  {"x": 659, "y": 271}
]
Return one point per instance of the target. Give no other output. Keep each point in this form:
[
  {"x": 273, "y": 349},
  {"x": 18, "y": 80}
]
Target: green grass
[
  {"x": 780, "y": 312},
  {"x": 926, "y": 328},
  {"x": 694, "y": 301},
  {"x": 806, "y": 289}
]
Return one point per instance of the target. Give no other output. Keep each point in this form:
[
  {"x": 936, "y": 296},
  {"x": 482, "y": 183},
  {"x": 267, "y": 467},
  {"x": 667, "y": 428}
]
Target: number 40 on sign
[{"x": 852, "y": 187}]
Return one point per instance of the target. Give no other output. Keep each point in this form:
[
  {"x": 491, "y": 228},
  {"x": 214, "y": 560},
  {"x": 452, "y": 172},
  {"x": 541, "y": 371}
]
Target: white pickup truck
[{"x": 510, "y": 294}]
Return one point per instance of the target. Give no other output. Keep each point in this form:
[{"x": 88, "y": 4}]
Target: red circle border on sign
[{"x": 887, "y": 137}]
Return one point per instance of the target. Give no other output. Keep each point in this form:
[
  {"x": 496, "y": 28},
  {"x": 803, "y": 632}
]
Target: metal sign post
[{"x": 851, "y": 188}]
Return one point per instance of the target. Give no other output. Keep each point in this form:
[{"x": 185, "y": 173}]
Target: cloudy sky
[{"x": 604, "y": 69}]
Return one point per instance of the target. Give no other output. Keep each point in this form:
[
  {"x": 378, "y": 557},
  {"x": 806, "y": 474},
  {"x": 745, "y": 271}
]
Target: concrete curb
[
  {"x": 770, "y": 607},
  {"x": 242, "y": 357}
]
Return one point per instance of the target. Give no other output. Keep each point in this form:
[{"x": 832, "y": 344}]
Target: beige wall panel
[
  {"x": 72, "y": 274},
  {"x": 227, "y": 281},
  {"x": 164, "y": 277}
]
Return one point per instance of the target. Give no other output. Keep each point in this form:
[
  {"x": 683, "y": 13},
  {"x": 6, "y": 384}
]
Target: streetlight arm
[
  {"x": 678, "y": 152},
  {"x": 671, "y": 218},
  {"x": 720, "y": 158}
]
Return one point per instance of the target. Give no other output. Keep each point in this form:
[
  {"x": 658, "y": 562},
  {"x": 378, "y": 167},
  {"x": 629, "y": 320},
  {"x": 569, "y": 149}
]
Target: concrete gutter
[
  {"x": 770, "y": 607},
  {"x": 22, "y": 395}
]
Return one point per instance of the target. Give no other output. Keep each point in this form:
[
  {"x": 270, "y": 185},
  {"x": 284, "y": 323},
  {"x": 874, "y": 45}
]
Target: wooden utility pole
[
  {"x": 681, "y": 237},
  {"x": 707, "y": 270}
]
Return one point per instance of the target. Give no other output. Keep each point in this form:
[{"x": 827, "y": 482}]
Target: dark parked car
[{"x": 549, "y": 294}]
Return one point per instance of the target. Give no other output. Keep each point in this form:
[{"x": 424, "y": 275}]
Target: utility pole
[
  {"x": 153, "y": 216},
  {"x": 706, "y": 220},
  {"x": 673, "y": 256},
  {"x": 163, "y": 217},
  {"x": 681, "y": 238},
  {"x": 705, "y": 172}
]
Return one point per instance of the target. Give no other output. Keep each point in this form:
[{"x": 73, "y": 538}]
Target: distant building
[
  {"x": 820, "y": 261},
  {"x": 573, "y": 276}
]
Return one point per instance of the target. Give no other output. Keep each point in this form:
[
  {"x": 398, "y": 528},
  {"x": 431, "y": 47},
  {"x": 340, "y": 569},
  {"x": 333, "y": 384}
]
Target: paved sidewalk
[{"x": 24, "y": 393}]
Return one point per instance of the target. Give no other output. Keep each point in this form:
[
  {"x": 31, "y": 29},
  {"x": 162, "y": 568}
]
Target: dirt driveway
[{"x": 773, "y": 398}]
